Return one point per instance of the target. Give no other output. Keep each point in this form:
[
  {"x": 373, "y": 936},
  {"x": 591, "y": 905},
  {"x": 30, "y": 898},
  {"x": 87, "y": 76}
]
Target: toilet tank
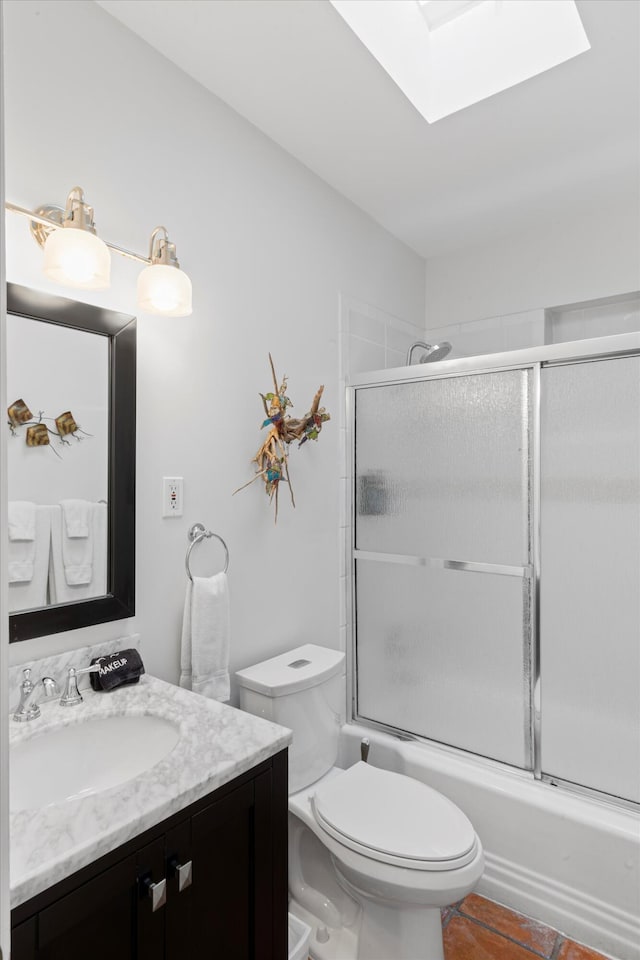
[{"x": 304, "y": 690}]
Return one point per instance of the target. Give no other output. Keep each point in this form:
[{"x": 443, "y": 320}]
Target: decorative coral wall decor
[{"x": 272, "y": 458}]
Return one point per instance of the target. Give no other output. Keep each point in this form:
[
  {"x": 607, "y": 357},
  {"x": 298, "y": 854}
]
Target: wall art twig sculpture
[
  {"x": 37, "y": 433},
  {"x": 272, "y": 458}
]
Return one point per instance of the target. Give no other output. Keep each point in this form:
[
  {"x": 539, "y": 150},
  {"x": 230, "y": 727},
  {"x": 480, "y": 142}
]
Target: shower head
[
  {"x": 433, "y": 351},
  {"x": 437, "y": 352}
]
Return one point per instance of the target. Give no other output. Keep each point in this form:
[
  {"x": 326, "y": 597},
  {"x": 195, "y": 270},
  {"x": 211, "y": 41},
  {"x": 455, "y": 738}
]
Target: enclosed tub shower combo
[{"x": 495, "y": 613}]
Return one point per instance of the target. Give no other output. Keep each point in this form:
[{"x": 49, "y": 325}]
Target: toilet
[{"x": 373, "y": 855}]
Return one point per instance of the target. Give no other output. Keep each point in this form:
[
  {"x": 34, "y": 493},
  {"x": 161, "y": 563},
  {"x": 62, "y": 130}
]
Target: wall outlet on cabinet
[{"x": 172, "y": 495}]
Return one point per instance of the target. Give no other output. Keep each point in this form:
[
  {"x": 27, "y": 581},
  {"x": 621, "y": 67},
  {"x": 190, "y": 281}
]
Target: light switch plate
[{"x": 172, "y": 496}]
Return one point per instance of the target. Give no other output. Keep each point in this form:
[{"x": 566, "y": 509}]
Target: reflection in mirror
[
  {"x": 71, "y": 463},
  {"x": 57, "y": 488}
]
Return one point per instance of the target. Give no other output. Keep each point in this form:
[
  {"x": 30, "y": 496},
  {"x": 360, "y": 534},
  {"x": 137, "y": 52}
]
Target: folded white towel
[
  {"x": 27, "y": 592},
  {"x": 60, "y": 589},
  {"x": 77, "y": 517},
  {"x": 77, "y": 559},
  {"x": 204, "y": 659},
  {"x": 21, "y": 570},
  {"x": 21, "y": 517}
]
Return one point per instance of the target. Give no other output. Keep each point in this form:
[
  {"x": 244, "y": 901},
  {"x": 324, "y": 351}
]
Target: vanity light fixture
[
  {"x": 76, "y": 257},
  {"x": 163, "y": 287}
]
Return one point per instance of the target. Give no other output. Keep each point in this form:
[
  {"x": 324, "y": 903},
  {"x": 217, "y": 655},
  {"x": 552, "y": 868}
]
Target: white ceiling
[{"x": 553, "y": 146}]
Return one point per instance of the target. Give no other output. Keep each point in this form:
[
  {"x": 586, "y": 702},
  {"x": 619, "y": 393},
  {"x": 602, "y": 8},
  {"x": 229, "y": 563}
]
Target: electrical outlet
[{"x": 172, "y": 492}]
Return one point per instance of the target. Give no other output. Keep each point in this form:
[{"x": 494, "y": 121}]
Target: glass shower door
[
  {"x": 590, "y": 574},
  {"x": 442, "y": 560}
]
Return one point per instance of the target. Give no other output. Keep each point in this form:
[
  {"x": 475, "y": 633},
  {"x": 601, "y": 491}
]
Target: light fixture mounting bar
[{"x": 54, "y": 225}]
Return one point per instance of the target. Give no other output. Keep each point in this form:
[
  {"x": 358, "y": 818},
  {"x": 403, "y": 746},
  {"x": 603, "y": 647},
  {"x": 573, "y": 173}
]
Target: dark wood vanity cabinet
[{"x": 234, "y": 908}]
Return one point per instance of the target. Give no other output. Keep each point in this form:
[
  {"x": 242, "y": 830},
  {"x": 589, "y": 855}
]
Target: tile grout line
[{"x": 456, "y": 912}]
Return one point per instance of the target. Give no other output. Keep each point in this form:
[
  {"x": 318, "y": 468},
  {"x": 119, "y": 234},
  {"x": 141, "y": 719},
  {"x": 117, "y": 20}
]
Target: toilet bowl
[{"x": 373, "y": 855}]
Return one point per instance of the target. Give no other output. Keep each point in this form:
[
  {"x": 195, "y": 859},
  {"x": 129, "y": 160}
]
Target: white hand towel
[
  {"x": 21, "y": 516},
  {"x": 204, "y": 659},
  {"x": 71, "y": 562},
  {"x": 21, "y": 520},
  {"x": 27, "y": 593},
  {"x": 77, "y": 516},
  {"x": 77, "y": 542},
  {"x": 77, "y": 559}
]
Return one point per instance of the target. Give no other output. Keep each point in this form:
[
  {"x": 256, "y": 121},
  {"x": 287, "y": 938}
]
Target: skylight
[
  {"x": 446, "y": 55},
  {"x": 437, "y": 12}
]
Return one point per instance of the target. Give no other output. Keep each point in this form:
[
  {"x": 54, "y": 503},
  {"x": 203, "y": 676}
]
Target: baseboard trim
[{"x": 591, "y": 921}]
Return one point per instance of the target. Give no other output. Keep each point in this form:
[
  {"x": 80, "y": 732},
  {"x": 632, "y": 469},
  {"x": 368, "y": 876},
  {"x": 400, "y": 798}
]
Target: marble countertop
[{"x": 216, "y": 744}]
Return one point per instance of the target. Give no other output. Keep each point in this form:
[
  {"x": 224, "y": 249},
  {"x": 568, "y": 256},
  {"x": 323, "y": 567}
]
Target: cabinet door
[
  {"x": 270, "y": 871},
  {"x": 179, "y": 893},
  {"x": 97, "y": 920},
  {"x": 223, "y": 896},
  {"x": 23, "y": 941},
  {"x": 150, "y": 917}
]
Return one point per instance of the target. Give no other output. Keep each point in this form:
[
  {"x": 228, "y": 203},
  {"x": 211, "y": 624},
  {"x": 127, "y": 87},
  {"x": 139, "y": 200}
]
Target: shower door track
[{"x": 532, "y": 359}]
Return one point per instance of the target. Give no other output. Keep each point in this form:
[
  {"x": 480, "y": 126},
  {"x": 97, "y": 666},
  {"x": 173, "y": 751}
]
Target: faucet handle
[
  {"x": 26, "y": 709},
  {"x": 92, "y": 669},
  {"x": 72, "y": 695}
]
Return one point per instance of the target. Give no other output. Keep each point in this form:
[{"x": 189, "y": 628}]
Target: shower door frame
[{"x": 532, "y": 359}]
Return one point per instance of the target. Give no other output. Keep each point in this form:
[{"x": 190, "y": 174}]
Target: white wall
[
  {"x": 269, "y": 248},
  {"x": 592, "y": 256}
]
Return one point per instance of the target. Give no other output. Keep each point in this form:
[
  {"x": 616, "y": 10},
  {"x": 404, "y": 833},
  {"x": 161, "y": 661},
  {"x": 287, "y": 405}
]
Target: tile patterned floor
[{"x": 479, "y": 929}]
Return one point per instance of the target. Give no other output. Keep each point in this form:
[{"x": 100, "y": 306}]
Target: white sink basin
[{"x": 84, "y": 758}]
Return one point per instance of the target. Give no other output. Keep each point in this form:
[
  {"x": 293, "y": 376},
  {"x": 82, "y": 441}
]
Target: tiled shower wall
[
  {"x": 535, "y": 328},
  {"x": 493, "y": 334}
]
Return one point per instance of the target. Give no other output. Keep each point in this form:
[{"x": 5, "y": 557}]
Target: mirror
[{"x": 71, "y": 376}]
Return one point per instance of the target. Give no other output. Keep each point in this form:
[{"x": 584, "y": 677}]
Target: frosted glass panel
[
  {"x": 442, "y": 468},
  {"x": 590, "y": 575},
  {"x": 440, "y": 653}
]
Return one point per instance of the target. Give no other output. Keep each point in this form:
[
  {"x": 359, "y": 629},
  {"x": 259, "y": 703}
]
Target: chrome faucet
[
  {"x": 72, "y": 695},
  {"x": 28, "y": 708}
]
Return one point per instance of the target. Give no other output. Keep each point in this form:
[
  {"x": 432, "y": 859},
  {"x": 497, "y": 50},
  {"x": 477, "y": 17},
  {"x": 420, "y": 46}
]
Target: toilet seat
[{"x": 394, "y": 819}]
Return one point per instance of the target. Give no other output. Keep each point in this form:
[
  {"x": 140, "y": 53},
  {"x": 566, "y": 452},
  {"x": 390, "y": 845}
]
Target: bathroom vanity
[{"x": 187, "y": 858}]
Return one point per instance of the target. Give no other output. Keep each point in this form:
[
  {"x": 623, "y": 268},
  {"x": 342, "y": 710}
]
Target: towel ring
[{"x": 197, "y": 533}]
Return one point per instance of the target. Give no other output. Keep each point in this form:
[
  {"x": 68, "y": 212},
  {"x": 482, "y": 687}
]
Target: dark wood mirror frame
[{"x": 121, "y": 331}]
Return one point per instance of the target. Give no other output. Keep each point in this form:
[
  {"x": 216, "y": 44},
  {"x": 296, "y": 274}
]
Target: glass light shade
[
  {"x": 164, "y": 289},
  {"x": 77, "y": 258}
]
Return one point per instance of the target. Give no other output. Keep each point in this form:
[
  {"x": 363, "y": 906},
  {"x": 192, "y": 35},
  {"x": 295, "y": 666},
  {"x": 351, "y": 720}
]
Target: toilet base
[
  {"x": 382, "y": 934},
  {"x": 416, "y": 935},
  {"x": 395, "y": 931}
]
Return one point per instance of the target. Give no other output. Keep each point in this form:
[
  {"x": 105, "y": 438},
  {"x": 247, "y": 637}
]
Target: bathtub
[{"x": 568, "y": 861}]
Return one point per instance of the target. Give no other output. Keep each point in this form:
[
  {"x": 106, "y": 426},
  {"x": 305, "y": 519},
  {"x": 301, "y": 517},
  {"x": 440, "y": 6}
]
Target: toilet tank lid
[{"x": 295, "y": 670}]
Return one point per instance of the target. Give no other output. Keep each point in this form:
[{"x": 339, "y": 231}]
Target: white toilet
[{"x": 373, "y": 855}]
